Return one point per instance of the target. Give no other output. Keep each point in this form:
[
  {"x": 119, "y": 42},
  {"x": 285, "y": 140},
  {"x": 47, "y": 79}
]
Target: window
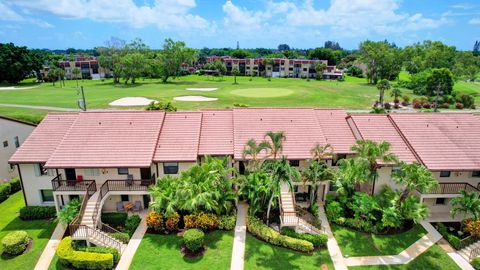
[
  {"x": 17, "y": 142},
  {"x": 47, "y": 195},
  {"x": 5, "y": 143},
  {"x": 294, "y": 162},
  {"x": 122, "y": 171},
  {"x": 12, "y": 167},
  {"x": 445, "y": 174},
  {"x": 338, "y": 158},
  {"x": 92, "y": 172},
  {"x": 124, "y": 198},
  {"x": 170, "y": 168},
  {"x": 440, "y": 201},
  {"x": 476, "y": 174},
  {"x": 40, "y": 170}
]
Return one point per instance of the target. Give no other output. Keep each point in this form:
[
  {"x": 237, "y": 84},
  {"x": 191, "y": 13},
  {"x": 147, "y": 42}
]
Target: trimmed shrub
[
  {"x": 172, "y": 222},
  {"x": 387, "y": 106},
  {"x": 318, "y": 240},
  {"x": 227, "y": 222},
  {"x": 14, "y": 243},
  {"x": 82, "y": 259},
  {"x": 459, "y": 105},
  {"x": 452, "y": 239},
  {"x": 15, "y": 185},
  {"x": 267, "y": 234},
  {"x": 445, "y": 105},
  {"x": 4, "y": 191},
  {"x": 115, "y": 219},
  {"x": 155, "y": 221},
  {"x": 476, "y": 263},
  {"x": 37, "y": 212},
  {"x": 105, "y": 250},
  {"x": 193, "y": 239},
  {"x": 121, "y": 236},
  {"x": 426, "y": 105},
  {"x": 203, "y": 221},
  {"x": 334, "y": 210},
  {"x": 131, "y": 224},
  {"x": 417, "y": 105}
]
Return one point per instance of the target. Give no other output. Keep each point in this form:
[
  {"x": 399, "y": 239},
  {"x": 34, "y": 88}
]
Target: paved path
[
  {"x": 332, "y": 245},
  {"x": 132, "y": 246},
  {"x": 49, "y": 251},
  {"x": 460, "y": 261},
  {"x": 406, "y": 256},
  {"x": 41, "y": 107},
  {"x": 238, "y": 251}
]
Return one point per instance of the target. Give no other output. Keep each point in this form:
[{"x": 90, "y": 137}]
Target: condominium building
[{"x": 88, "y": 65}]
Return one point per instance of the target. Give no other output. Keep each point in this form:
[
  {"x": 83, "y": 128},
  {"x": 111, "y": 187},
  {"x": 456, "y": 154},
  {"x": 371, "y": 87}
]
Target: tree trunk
[
  {"x": 269, "y": 207},
  {"x": 165, "y": 78}
]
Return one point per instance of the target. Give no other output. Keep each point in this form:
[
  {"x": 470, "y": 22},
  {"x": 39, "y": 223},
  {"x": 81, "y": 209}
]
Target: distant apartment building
[
  {"x": 281, "y": 67},
  {"x": 88, "y": 65}
]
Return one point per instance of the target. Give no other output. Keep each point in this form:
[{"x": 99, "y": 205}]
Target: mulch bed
[{"x": 192, "y": 255}]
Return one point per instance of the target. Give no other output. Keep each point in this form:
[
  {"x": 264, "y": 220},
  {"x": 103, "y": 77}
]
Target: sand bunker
[
  {"x": 194, "y": 98},
  {"x": 132, "y": 101},
  {"x": 16, "y": 88},
  {"x": 201, "y": 89}
]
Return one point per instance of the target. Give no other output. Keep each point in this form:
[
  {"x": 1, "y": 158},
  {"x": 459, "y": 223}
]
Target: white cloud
[
  {"x": 475, "y": 21},
  {"x": 8, "y": 14},
  {"x": 164, "y": 14}
]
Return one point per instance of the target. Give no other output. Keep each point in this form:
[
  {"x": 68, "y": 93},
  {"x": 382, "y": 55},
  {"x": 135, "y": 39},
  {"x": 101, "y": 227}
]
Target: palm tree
[
  {"x": 235, "y": 73},
  {"x": 275, "y": 145},
  {"x": 372, "y": 152},
  {"x": 412, "y": 209},
  {"x": 350, "y": 172},
  {"x": 280, "y": 173},
  {"x": 467, "y": 203},
  {"x": 320, "y": 68},
  {"x": 396, "y": 92},
  {"x": 253, "y": 149},
  {"x": 255, "y": 188},
  {"x": 316, "y": 174},
  {"x": 320, "y": 152},
  {"x": 76, "y": 73},
  {"x": 414, "y": 176},
  {"x": 382, "y": 86}
]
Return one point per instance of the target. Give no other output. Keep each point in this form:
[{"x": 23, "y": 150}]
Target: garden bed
[
  {"x": 454, "y": 234},
  {"x": 354, "y": 243}
]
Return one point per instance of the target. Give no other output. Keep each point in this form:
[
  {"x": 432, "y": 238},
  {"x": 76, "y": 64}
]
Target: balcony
[
  {"x": 451, "y": 188},
  {"x": 128, "y": 185},
  {"x": 71, "y": 185}
]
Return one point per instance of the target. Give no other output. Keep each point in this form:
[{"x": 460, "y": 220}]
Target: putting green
[{"x": 262, "y": 92}]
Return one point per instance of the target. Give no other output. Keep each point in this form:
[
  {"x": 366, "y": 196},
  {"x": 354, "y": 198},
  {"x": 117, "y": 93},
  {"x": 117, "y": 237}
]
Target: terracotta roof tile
[
  {"x": 109, "y": 139},
  {"x": 44, "y": 139},
  {"x": 216, "y": 133},
  {"x": 179, "y": 137},
  {"x": 336, "y": 130}
]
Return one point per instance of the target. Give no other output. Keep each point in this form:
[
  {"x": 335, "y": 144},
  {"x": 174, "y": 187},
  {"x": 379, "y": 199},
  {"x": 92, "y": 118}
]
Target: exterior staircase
[{"x": 470, "y": 252}]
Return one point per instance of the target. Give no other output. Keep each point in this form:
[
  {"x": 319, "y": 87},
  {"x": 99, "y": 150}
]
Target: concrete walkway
[
  {"x": 132, "y": 246},
  {"x": 332, "y": 245},
  {"x": 41, "y": 107},
  {"x": 405, "y": 256},
  {"x": 49, "y": 251},
  {"x": 238, "y": 251},
  {"x": 460, "y": 261}
]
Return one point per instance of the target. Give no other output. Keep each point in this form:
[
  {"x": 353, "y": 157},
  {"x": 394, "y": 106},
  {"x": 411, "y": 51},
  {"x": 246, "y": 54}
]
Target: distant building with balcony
[{"x": 88, "y": 65}]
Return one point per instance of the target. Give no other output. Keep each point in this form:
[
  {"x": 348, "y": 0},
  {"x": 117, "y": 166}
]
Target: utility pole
[{"x": 82, "y": 103}]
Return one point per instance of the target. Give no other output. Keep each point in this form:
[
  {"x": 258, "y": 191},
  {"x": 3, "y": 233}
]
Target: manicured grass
[
  {"x": 163, "y": 252},
  {"x": 434, "y": 258},
  {"x": 39, "y": 230},
  {"x": 354, "y": 243},
  {"x": 262, "y": 92},
  {"x": 261, "y": 255}
]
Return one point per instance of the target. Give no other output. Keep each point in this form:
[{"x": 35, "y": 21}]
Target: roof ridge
[
  {"x": 63, "y": 138},
  {"x": 199, "y": 133},
  {"x": 158, "y": 138},
  {"x": 404, "y": 138},
  {"x": 353, "y": 126}
]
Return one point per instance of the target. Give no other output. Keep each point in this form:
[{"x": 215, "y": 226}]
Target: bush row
[
  {"x": 37, "y": 212},
  {"x": 14, "y": 243},
  {"x": 204, "y": 221},
  {"x": 8, "y": 188},
  {"x": 131, "y": 224},
  {"x": 256, "y": 227},
  {"x": 82, "y": 259},
  {"x": 121, "y": 236},
  {"x": 318, "y": 240},
  {"x": 115, "y": 220},
  {"x": 454, "y": 241}
]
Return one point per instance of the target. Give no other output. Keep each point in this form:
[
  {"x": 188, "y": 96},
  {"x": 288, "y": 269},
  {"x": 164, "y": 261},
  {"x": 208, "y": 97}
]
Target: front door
[
  {"x": 145, "y": 173},
  {"x": 70, "y": 174},
  {"x": 146, "y": 201}
]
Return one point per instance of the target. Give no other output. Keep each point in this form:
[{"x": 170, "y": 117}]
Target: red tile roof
[
  {"x": 109, "y": 139},
  {"x": 179, "y": 138},
  {"x": 378, "y": 127},
  {"x": 216, "y": 136},
  {"x": 336, "y": 130},
  {"x": 41, "y": 143},
  {"x": 443, "y": 141},
  {"x": 300, "y": 126}
]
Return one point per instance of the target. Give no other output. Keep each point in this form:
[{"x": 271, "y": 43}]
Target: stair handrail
[
  {"x": 75, "y": 223},
  {"x": 474, "y": 253}
]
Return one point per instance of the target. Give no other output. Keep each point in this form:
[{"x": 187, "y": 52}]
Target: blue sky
[{"x": 60, "y": 24}]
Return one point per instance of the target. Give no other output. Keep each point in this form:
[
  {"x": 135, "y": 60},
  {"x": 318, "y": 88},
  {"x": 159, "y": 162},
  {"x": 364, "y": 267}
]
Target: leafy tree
[
  {"x": 350, "y": 172},
  {"x": 382, "y": 86},
  {"x": 172, "y": 56},
  {"x": 16, "y": 63},
  {"x": 235, "y": 72},
  {"x": 382, "y": 61},
  {"x": 332, "y": 45},
  {"x": 468, "y": 204},
  {"x": 161, "y": 106},
  {"x": 467, "y": 65},
  {"x": 439, "y": 80},
  {"x": 414, "y": 176},
  {"x": 283, "y": 47},
  {"x": 320, "y": 68},
  {"x": 396, "y": 92},
  {"x": 252, "y": 150},
  {"x": 268, "y": 62},
  {"x": 363, "y": 206},
  {"x": 428, "y": 55},
  {"x": 325, "y": 54},
  {"x": 476, "y": 48},
  {"x": 76, "y": 74},
  {"x": 255, "y": 187},
  {"x": 412, "y": 209},
  {"x": 239, "y": 53},
  {"x": 69, "y": 211},
  {"x": 133, "y": 66},
  {"x": 275, "y": 145}
]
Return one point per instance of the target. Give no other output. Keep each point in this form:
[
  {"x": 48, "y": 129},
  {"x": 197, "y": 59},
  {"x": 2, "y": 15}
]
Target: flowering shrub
[
  {"x": 201, "y": 220},
  {"x": 417, "y": 105},
  {"x": 172, "y": 222},
  {"x": 472, "y": 226},
  {"x": 427, "y": 105},
  {"x": 155, "y": 221},
  {"x": 459, "y": 105}
]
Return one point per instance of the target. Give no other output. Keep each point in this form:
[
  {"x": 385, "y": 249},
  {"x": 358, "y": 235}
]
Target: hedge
[
  {"x": 14, "y": 243},
  {"x": 227, "y": 222},
  {"x": 115, "y": 219},
  {"x": 256, "y": 227},
  {"x": 15, "y": 185},
  {"x": 106, "y": 250},
  {"x": 37, "y": 212},
  {"x": 193, "y": 239},
  {"x": 476, "y": 263},
  {"x": 318, "y": 240},
  {"x": 454, "y": 241},
  {"x": 121, "y": 236},
  {"x": 131, "y": 224},
  {"x": 82, "y": 259},
  {"x": 4, "y": 191}
]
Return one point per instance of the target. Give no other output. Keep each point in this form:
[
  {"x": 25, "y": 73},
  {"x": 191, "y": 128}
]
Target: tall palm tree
[
  {"x": 414, "y": 176},
  {"x": 396, "y": 92},
  {"x": 252, "y": 150},
  {"x": 76, "y": 73},
  {"x": 382, "y": 86},
  {"x": 467, "y": 203},
  {"x": 315, "y": 174},
  {"x": 275, "y": 144},
  {"x": 320, "y": 152},
  {"x": 280, "y": 173},
  {"x": 372, "y": 152}
]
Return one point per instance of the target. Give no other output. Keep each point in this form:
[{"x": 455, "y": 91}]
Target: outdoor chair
[
  {"x": 137, "y": 207},
  {"x": 129, "y": 180},
  {"x": 120, "y": 207}
]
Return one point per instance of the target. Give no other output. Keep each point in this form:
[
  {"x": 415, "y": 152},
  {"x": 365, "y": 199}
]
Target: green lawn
[
  {"x": 432, "y": 259},
  {"x": 354, "y": 243},
  {"x": 261, "y": 255},
  {"x": 163, "y": 252},
  {"x": 39, "y": 230}
]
